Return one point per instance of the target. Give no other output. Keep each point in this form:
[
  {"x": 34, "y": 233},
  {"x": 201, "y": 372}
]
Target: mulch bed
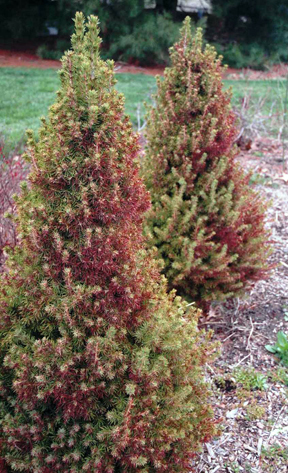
[{"x": 9, "y": 58}]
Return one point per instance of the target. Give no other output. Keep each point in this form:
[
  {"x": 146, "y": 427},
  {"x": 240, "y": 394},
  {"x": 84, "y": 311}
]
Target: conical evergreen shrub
[
  {"x": 206, "y": 222},
  {"x": 100, "y": 370}
]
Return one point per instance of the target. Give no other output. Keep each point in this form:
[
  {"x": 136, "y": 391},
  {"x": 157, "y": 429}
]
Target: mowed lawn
[{"x": 26, "y": 95}]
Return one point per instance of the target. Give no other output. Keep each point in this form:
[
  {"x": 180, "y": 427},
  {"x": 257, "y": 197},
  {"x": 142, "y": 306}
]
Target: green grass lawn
[{"x": 27, "y": 93}]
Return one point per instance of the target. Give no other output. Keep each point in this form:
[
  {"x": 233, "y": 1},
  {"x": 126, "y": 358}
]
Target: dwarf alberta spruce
[
  {"x": 206, "y": 222},
  {"x": 100, "y": 370}
]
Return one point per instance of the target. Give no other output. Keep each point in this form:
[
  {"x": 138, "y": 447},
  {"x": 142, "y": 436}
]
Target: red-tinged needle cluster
[{"x": 100, "y": 370}]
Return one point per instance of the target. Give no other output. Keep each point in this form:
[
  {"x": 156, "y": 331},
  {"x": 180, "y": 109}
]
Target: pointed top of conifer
[
  {"x": 185, "y": 31},
  {"x": 78, "y": 36},
  {"x": 190, "y": 42},
  {"x": 83, "y": 71},
  {"x": 91, "y": 40}
]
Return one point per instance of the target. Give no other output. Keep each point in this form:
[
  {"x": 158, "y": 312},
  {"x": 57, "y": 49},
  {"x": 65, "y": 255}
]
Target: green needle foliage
[
  {"x": 206, "y": 222},
  {"x": 100, "y": 370}
]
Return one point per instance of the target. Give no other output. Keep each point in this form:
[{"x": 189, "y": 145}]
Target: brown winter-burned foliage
[
  {"x": 206, "y": 222},
  {"x": 100, "y": 370}
]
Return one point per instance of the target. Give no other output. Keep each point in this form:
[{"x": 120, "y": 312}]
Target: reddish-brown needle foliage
[
  {"x": 206, "y": 222},
  {"x": 100, "y": 370}
]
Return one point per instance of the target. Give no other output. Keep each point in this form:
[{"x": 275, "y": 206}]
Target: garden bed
[{"x": 10, "y": 58}]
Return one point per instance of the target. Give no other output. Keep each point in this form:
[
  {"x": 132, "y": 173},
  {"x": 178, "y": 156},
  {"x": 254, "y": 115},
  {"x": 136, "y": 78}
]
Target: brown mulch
[
  {"x": 273, "y": 72},
  {"x": 27, "y": 59},
  {"x": 265, "y": 159},
  {"x": 9, "y": 58}
]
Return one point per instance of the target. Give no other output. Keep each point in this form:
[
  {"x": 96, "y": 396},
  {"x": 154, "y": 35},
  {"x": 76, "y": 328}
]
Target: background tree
[
  {"x": 252, "y": 21},
  {"x": 206, "y": 222},
  {"x": 100, "y": 369},
  {"x": 167, "y": 6},
  {"x": 260, "y": 24},
  {"x": 25, "y": 20},
  {"x": 247, "y": 33},
  {"x": 130, "y": 31},
  {"x": 117, "y": 16}
]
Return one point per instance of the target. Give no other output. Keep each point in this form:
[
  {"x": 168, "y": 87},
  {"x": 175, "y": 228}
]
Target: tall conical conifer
[
  {"x": 206, "y": 222},
  {"x": 100, "y": 370}
]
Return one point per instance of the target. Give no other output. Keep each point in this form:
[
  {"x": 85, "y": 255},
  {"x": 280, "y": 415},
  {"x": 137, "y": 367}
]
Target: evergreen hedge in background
[
  {"x": 100, "y": 370},
  {"x": 248, "y": 33},
  {"x": 206, "y": 222}
]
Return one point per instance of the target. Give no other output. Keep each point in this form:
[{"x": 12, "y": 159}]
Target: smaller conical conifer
[
  {"x": 206, "y": 222},
  {"x": 100, "y": 370}
]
